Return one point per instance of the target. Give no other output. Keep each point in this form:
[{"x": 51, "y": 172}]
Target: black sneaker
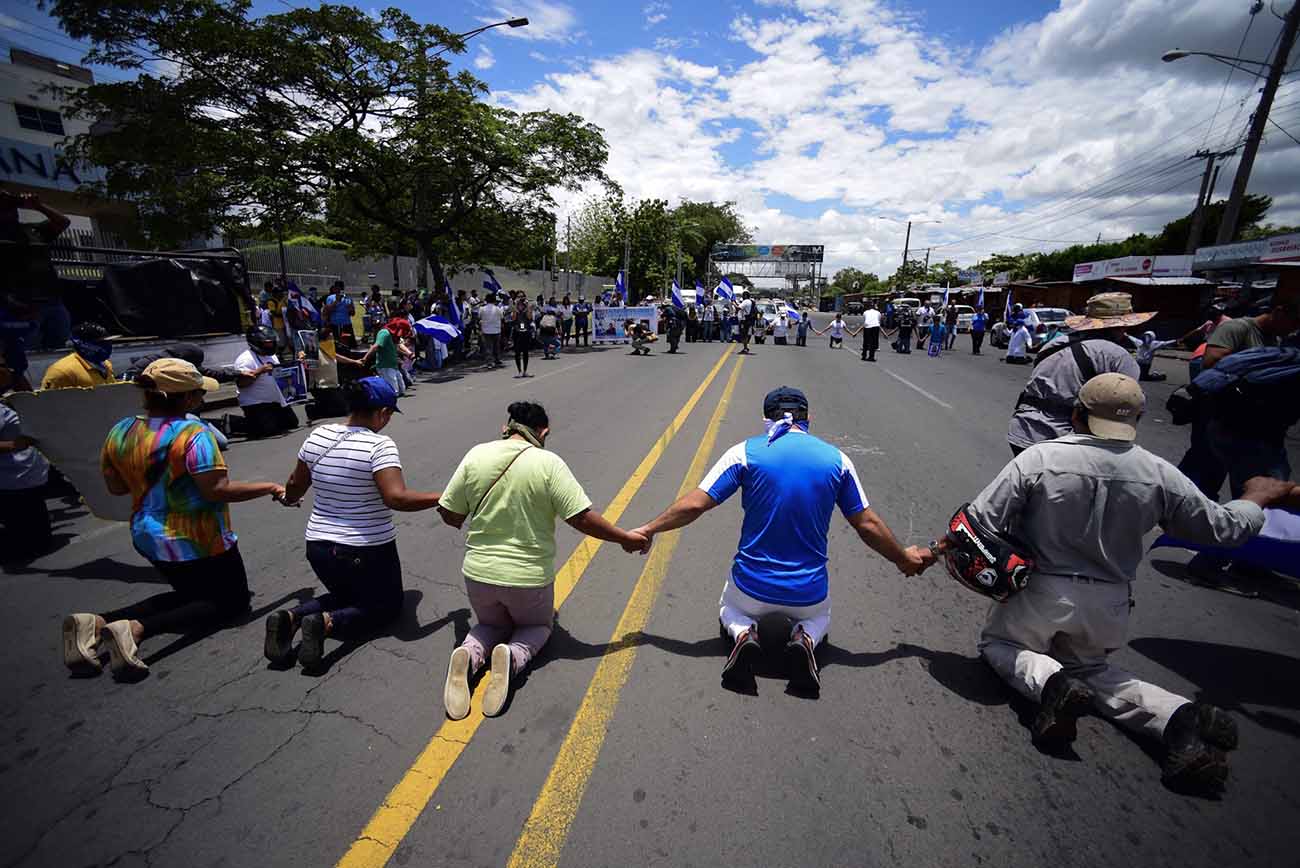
[
  {"x": 312, "y": 648},
  {"x": 740, "y": 662},
  {"x": 1216, "y": 726},
  {"x": 1198, "y": 769},
  {"x": 279, "y": 637},
  {"x": 803, "y": 663},
  {"x": 1064, "y": 700}
]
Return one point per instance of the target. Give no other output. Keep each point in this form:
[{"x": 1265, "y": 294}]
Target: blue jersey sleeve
[
  {"x": 851, "y": 498},
  {"x": 726, "y": 477}
]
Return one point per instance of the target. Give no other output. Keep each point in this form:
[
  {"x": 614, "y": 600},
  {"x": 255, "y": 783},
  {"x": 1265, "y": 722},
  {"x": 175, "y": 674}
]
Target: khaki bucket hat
[{"x": 1107, "y": 311}]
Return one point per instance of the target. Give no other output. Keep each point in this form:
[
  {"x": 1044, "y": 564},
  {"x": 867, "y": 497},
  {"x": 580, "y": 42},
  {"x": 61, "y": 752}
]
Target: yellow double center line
[
  {"x": 404, "y": 803},
  {"x": 547, "y": 828}
]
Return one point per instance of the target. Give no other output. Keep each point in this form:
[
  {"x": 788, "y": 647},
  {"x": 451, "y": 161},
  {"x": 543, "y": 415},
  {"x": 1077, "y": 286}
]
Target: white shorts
[{"x": 739, "y": 611}]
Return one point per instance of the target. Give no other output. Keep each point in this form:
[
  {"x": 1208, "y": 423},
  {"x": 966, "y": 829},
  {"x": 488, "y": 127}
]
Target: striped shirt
[{"x": 347, "y": 507}]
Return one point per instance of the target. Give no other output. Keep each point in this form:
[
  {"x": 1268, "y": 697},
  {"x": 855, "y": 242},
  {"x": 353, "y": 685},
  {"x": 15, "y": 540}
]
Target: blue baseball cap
[
  {"x": 378, "y": 394},
  {"x": 785, "y": 399}
]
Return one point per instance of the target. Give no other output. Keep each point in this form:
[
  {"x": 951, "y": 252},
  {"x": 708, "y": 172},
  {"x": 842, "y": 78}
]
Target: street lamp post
[{"x": 1232, "y": 213}]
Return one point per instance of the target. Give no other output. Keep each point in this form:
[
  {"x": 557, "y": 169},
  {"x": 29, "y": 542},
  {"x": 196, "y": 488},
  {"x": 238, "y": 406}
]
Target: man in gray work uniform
[
  {"x": 1080, "y": 504},
  {"x": 1095, "y": 345}
]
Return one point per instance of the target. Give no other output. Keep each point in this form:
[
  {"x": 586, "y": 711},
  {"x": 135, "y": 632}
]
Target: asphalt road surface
[{"x": 620, "y": 748}]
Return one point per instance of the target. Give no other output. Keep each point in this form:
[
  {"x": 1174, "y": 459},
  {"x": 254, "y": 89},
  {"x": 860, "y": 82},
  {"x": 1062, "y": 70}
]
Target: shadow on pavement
[
  {"x": 407, "y": 628},
  {"x": 1278, "y": 589},
  {"x": 1231, "y": 677},
  {"x": 100, "y": 569},
  {"x": 188, "y": 639}
]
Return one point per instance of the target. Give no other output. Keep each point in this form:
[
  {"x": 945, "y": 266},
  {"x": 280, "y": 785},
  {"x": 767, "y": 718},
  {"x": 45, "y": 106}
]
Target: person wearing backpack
[
  {"x": 1096, "y": 345},
  {"x": 511, "y": 490},
  {"x": 1243, "y": 415},
  {"x": 549, "y": 330}
]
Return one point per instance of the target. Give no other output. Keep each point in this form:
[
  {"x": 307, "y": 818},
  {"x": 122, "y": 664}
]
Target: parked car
[
  {"x": 1052, "y": 317},
  {"x": 853, "y": 307},
  {"x": 964, "y": 314}
]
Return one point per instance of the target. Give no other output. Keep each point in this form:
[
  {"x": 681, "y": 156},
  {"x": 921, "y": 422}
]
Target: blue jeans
[{"x": 364, "y": 585}]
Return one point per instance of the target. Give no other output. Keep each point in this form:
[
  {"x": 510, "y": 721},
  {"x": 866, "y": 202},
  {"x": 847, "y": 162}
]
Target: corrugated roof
[{"x": 1161, "y": 281}]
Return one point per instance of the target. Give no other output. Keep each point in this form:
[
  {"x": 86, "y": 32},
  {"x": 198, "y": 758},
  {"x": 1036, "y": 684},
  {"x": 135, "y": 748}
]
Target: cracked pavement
[{"x": 914, "y": 754}]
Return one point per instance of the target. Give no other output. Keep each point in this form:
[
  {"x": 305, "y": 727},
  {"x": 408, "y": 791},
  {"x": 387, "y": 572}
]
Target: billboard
[
  {"x": 1134, "y": 266},
  {"x": 768, "y": 252},
  {"x": 1279, "y": 248}
]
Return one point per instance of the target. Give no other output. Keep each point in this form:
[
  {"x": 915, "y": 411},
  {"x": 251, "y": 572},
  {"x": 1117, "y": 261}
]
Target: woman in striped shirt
[{"x": 351, "y": 540}]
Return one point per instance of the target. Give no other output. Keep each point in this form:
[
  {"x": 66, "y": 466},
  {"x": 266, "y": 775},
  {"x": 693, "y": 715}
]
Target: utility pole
[
  {"x": 568, "y": 252},
  {"x": 627, "y": 264},
  {"x": 927, "y": 260},
  {"x": 907, "y": 242},
  {"x": 1232, "y": 213},
  {"x": 1203, "y": 198}
]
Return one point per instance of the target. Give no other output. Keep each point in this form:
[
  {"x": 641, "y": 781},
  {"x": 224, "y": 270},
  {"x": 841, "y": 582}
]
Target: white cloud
[
  {"x": 484, "y": 59},
  {"x": 656, "y": 12},
  {"x": 1013, "y": 145},
  {"x": 547, "y": 21}
]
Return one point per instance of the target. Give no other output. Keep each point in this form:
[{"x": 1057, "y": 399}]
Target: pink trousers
[{"x": 520, "y": 617}]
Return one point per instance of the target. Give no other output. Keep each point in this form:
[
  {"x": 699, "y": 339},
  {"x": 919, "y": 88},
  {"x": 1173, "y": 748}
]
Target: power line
[{"x": 1250, "y": 20}]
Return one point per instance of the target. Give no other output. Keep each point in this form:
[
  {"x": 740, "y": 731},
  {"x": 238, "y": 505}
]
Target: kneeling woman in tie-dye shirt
[{"x": 180, "y": 522}]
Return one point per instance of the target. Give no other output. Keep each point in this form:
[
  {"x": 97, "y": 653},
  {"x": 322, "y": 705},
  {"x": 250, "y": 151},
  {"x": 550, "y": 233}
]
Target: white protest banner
[
  {"x": 70, "y": 426},
  {"x": 607, "y": 325}
]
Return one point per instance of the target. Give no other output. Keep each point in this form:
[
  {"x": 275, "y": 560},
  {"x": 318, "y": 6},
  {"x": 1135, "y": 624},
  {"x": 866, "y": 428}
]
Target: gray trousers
[{"x": 1059, "y": 623}]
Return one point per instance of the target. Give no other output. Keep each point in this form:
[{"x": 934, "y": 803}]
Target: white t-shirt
[
  {"x": 566, "y": 311},
  {"x": 263, "y": 390},
  {"x": 347, "y": 507},
  {"x": 927, "y": 314},
  {"x": 837, "y": 328},
  {"x": 871, "y": 318},
  {"x": 746, "y": 307},
  {"x": 1019, "y": 344},
  {"x": 489, "y": 319},
  {"x": 779, "y": 328}
]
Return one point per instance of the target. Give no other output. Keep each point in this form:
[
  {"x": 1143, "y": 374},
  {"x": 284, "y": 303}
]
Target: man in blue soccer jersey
[{"x": 791, "y": 482}]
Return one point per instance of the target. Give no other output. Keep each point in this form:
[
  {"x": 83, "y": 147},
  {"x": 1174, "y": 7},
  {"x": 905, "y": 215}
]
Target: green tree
[
  {"x": 849, "y": 280},
  {"x": 911, "y": 273},
  {"x": 267, "y": 115}
]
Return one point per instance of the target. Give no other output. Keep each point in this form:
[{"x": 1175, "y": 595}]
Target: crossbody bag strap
[
  {"x": 329, "y": 449},
  {"x": 1086, "y": 368},
  {"x": 498, "y": 479}
]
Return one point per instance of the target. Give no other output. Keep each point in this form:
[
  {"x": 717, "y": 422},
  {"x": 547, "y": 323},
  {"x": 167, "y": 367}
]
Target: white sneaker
[
  {"x": 455, "y": 691},
  {"x": 81, "y": 645},
  {"x": 498, "y": 689},
  {"x": 122, "y": 658}
]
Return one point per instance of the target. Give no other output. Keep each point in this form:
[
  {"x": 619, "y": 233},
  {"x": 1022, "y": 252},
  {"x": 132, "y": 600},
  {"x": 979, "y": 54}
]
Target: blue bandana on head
[
  {"x": 777, "y": 428},
  {"x": 94, "y": 352}
]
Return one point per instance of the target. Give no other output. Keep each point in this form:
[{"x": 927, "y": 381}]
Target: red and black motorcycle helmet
[{"x": 984, "y": 560}]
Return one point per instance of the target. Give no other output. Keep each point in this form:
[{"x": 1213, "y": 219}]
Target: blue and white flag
[
  {"x": 1006, "y": 312},
  {"x": 1277, "y": 547},
  {"x": 980, "y": 301},
  {"x": 490, "y": 284},
  {"x": 945, "y": 296},
  {"x": 621, "y": 285},
  {"x": 438, "y": 327},
  {"x": 453, "y": 309},
  {"x": 700, "y": 295},
  {"x": 678, "y": 302},
  {"x": 726, "y": 290},
  {"x": 792, "y": 315}
]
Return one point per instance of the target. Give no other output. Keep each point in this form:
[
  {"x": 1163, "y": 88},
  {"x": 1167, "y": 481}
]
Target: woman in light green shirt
[{"x": 512, "y": 490}]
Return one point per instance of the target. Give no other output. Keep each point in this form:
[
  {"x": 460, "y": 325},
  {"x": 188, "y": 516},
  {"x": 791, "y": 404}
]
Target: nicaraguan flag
[
  {"x": 678, "y": 302},
  {"x": 1277, "y": 547},
  {"x": 439, "y": 328},
  {"x": 621, "y": 285},
  {"x": 453, "y": 309},
  {"x": 699, "y": 293},
  {"x": 1006, "y": 312},
  {"x": 945, "y": 296},
  {"x": 726, "y": 290},
  {"x": 490, "y": 282},
  {"x": 792, "y": 315},
  {"x": 980, "y": 301}
]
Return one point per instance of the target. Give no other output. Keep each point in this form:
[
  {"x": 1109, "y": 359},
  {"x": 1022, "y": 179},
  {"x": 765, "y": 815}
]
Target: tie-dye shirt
[{"x": 157, "y": 459}]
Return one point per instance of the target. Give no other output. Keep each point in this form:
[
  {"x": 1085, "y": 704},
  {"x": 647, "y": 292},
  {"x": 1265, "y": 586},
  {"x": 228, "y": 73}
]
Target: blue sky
[{"x": 1011, "y": 125}]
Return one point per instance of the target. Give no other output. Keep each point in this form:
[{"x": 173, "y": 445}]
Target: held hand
[
  {"x": 277, "y": 493},
  {"x": 1266, "y": 491},
  {"x": 641, "y": 542},
  {"x": 914, "y": 561}
]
